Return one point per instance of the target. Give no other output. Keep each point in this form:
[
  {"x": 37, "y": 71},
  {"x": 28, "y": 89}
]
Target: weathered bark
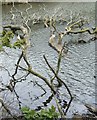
[
  {"x": 54, "y": 45},
  {"x": 57, "y": 45}
]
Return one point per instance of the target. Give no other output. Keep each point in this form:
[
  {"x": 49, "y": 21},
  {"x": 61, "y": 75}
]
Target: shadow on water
[{"x": 77, "y": 68}]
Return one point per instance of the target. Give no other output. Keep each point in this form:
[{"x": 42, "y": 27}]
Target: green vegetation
[
  {"x": 6, "y": 40},
  {"x": 19, "y": 43},
  {"x": 44, "y": 114}
]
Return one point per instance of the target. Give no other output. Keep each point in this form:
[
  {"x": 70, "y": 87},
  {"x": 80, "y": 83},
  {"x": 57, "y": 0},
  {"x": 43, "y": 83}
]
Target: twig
[
  {"x": 59, "y": 108},
  {"x": 16, "y": 69},
  {"x": 6, "y": 108},
  {"x": 17, "y": 99},
  {"x": 41, "y": 88},
  {"x": 6, "y": 70},
  {"x": 58, "y": 64},
  {"x": 71, "y": 98},
  {"x": 40, "y": 76},
  {"x": 48, "y": 100},
  {"x": 60, "y": 58},
  {"x": 25, "y": 59},
  {"x": 22, "y": 78}
]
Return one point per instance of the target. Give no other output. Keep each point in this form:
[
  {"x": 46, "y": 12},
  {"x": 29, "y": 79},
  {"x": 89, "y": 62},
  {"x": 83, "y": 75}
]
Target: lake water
[{"x": 77, "y": 67}]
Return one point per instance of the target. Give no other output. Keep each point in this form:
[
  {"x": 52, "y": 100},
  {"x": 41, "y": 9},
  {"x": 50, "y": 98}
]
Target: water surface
[{"x": 77, "y": 67}]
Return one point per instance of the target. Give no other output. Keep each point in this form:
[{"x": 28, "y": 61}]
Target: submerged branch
[
  {"x": 71, "y": 98},
  {"x": 7, "y": 110},
  {"x": 39, "y": 76}
]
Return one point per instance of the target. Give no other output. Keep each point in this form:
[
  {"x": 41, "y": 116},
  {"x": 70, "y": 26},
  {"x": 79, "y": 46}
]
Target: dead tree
[
  {"x": 73, "y": 27},
  {"x": 57, "y": 45}
]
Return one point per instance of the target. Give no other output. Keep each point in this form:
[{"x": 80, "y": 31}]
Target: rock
[
  {"x": 82, "y": 41},
  {"x": 77, "y": 117}
]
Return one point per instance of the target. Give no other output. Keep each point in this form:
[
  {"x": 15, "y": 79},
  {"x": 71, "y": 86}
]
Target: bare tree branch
[
  {"x": 71, "y": 98},
  {"x": 40, "y": 76}
]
